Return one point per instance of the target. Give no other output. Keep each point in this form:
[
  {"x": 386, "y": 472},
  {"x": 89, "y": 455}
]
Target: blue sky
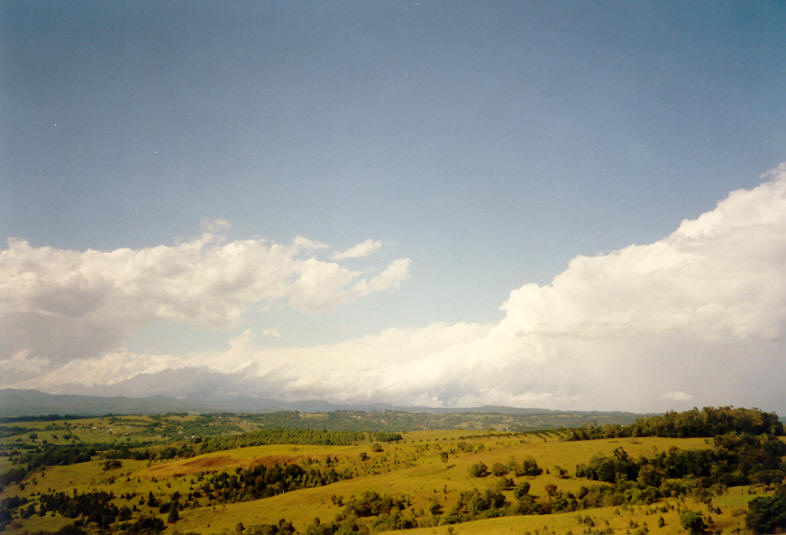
[{"x": 489, "y": 143}]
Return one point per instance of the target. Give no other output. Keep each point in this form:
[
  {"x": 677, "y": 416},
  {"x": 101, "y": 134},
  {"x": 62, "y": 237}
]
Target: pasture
[{"x": 428, "y": 476}]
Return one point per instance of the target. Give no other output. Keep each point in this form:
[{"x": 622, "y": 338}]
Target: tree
[
  {"x": 499, "y": 469},
  {"x": 522, "y": 489},
  {"x": 766, "y": 513},
  {"x": 529, "y": 468},
  {"x": 479, "y": 469},
  {"x": 147, "y": 525},
  {"x": 174, "y": 516},
  {"x": 694, "y": 523}
]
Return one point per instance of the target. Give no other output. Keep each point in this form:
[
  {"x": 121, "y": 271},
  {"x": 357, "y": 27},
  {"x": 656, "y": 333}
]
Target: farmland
[{"x": 230, "y": 474}]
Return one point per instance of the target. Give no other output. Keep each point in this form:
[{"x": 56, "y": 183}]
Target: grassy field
[
  {"x": 427, "y": 468},
  {"x": 429, "y": 478},
  {"x": 619, "y": 519}
]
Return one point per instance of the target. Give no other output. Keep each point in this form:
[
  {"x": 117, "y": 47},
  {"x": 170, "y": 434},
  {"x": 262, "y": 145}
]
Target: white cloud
[
  {"x": 391, "y": 277},
  {"x": 359, "y": 250},
  {"x": 717, "y": 277},
  {"x": 63, "y": 305},
  {"x": 302, "y": 244},
  {"x": 704, "y": 307},
  {"x": 677, "y": 395}
]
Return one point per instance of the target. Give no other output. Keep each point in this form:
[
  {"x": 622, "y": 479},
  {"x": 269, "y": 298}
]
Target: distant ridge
[{"x": 16, "y": 403}]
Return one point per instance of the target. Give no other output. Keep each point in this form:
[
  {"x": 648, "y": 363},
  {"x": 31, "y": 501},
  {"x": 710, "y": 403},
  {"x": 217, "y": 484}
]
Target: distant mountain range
[
  {"x": 28, "y": 403},
  {"x": 15, "y": 403}
]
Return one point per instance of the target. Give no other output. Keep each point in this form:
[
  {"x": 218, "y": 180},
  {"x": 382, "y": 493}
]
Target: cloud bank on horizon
[{"x": 697, "y": 317}]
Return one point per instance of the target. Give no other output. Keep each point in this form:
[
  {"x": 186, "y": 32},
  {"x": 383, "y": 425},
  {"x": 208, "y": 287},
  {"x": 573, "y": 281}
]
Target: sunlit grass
[{"x": 415, "y": 467}]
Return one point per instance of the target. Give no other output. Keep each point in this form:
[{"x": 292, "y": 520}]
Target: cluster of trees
[
  {"x": 694, "y": 523},
  {"x": 346, "y": 420},
  {"x": 96, "y": 507},
  {"x": 132, "y": 451},
  {"x": 282, "y": 436},
  {"x": 371, "y": 503},
  {"x": 263, "y": 481},
  {"x": 528, "y": 467},
  {"x": 707, "y": 422},
  {"x": 174, "y": 426},
  {"x": 767, "y": 514},
  {"x": 14, "y": 475},
  {"x": 735, "y": 460},
  {"x": 385, "y": 436},
  {"x": 7, "y": 507},
  {"x": 52, "y": 454},
  {"x": 283, "y": 527},
  {"x": 47, "y": 455},
  {"x": 391, "y": 513},
  {"x": 473, "y": 504}
]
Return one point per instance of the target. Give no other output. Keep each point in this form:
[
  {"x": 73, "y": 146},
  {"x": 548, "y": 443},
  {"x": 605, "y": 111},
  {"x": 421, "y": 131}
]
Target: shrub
[
  {"x": 479, "y": 469},
  {"x": 766, "y": 513}
]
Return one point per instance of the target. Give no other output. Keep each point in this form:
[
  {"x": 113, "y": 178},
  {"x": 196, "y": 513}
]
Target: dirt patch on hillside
[
  {"x": 193, "y": 466},
  {"x": 211, "y": 463},
  {"x": 276, "y": 459}
]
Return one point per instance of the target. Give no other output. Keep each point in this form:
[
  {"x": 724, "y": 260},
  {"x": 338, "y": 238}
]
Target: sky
[{"x": 567, "y": 205}]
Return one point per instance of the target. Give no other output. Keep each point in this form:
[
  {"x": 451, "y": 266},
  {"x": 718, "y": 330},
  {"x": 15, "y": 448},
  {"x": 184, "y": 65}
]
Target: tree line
[
  {"x": 280, "y": 436},
  {"x": 707, "y": 422},
  {"x": 264, "y": 481}
]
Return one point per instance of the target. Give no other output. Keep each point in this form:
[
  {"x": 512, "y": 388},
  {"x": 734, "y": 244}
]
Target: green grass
[
  {"x": 430, "y": 478},
  {"x": 412, "y": 467}
]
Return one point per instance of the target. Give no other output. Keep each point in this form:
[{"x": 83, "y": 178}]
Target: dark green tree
[
  {"x": 767, "y": 513},
  {"x": 522, "y": 489},
  {"x": 694, "y": 523},
  {"x": 479, "y": 469},
  {"x": 174, "y": 516}
]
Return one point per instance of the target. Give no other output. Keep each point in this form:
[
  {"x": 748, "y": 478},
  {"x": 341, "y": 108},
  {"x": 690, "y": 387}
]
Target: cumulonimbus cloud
[
  {"x": 696, "y": 317},
  {"x": 61, "y": 305}
]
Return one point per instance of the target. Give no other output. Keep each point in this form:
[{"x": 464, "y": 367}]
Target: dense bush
[
  {"x": 478, "y": 469},
  {"x": 383, "y": 436},
  {"x": 734, "y": 460},
  {"x": 287, "y": 436},
  {"x": 263, "y": 481},
  {"x": 372, "y": 503},
  {"x": 707, "y": 422},
  {"x": 694, "y": 523},
  {"x": 51, "y": 455},
  {"x": 767, "y": 514}
]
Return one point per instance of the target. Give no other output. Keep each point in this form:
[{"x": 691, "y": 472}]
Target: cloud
[
  {"x": 61, "y": 305},
  {"x": 703, "y": 308},
  {"x": 274, "y": 332},
  {"x": 391, "y": 277},
  {"x": 215, "y": 226},
  {"x": 677, "y": 396},
  {"x": 360, "y": 250}
]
